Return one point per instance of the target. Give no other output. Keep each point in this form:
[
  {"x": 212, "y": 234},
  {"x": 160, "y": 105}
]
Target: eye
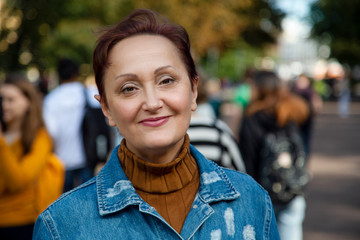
[
  {"x": 127, "y": 89},
  {"x": 166, "y": 81}
]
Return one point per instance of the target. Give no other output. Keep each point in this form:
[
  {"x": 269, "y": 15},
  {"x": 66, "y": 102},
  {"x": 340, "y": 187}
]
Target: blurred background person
[
  {"x": 25, "y": 150},
  {"x": 212, "y": 136},
  {"x": 303, "y": 87},
  {"x": 64, "y": 109},
  {"x": 97, "y": 136},
  {"x": 344, "y": 93},
  {"x": 272, "y": 109},
  {"x": 242, "y": 94}
]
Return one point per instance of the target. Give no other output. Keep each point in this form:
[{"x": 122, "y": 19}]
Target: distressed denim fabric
[{"x": 228, "y": 205}]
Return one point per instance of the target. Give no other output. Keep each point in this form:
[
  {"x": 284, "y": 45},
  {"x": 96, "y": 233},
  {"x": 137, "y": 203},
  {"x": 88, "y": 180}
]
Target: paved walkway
[{"x": 333, "y": 202}]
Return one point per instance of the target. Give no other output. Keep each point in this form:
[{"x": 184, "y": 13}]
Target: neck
[
  {"x": 13, "y": 132},
  {"x": 13, "y": 127}
]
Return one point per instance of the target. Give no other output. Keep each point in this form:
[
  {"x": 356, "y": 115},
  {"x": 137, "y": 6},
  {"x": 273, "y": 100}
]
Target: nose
[{"x": 152, "y": 101}]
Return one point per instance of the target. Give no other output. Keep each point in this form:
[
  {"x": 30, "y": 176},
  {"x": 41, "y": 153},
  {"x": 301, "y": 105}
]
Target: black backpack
[
  {"x": 283, "y": 164},
  {"x": 96, "y": 134}
]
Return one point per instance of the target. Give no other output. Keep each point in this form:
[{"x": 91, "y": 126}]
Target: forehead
[
  {"x": 144, "y": 47},
  {"x": 9, "y": 90},
  {"x": 143, "y": 41}
]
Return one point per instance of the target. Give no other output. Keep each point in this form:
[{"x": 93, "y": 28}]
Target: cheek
[
  {"x": 18, "y": 106},
  {"x": 16, "y": 110},
  {"x": 124, "y": 113},
  {"x": 24, "y": 106},
  {"x": 180, "y": 102}
]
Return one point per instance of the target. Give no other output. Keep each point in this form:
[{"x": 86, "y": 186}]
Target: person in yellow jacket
[{"x": 25, "y": 153}]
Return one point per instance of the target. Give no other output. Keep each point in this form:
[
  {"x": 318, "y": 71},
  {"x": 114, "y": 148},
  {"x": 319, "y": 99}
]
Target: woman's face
[
  {"x": 149, "y": 96},
  {"x": 14, "y": 103}
]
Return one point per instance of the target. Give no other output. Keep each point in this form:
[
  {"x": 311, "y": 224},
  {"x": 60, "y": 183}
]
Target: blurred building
[{"x": 297, "y": 52}]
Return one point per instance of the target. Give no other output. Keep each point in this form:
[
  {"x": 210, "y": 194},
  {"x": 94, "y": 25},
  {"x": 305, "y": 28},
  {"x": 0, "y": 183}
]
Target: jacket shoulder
[
  {"x": 243, "y": 182},
  {"x": 75, "y": 198}
]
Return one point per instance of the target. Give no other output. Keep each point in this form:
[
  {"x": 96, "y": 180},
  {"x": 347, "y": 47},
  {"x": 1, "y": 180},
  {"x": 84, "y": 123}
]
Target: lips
[{"x": 155, "y": 122}]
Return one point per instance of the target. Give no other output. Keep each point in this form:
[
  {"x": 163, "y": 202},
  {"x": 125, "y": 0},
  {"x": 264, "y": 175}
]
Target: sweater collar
[{"x": 158, "y": 178}]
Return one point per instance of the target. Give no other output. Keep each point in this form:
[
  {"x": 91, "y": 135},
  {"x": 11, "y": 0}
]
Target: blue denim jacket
[{"x": 228, "y": 205}]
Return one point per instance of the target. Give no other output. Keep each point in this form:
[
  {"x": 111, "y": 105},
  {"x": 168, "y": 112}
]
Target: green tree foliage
[
  {"x": 334, "y": 24},
  {"x": 38, "y": 32},
  {"x": 220, "y": 24}
]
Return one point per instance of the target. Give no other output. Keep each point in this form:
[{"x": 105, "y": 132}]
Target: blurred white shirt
[{"x": 63, "y": 112}]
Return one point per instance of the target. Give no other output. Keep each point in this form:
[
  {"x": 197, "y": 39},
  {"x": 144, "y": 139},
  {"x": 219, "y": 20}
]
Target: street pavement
[{"x": 333, "y": 199}]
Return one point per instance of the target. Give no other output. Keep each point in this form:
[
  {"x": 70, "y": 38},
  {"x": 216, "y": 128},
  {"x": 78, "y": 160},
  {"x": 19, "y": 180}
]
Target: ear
[
  {"x": 105, "y": 109},
  {"x": 194, "y": 94}
]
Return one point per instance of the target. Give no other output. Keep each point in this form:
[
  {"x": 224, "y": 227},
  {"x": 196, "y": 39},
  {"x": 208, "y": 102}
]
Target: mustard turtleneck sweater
[{"x": 170, "y": 188}]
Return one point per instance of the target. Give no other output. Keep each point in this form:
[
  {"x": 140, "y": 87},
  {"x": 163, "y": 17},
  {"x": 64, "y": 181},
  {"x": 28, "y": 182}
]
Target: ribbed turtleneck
[{"x": 170, "y": 188}]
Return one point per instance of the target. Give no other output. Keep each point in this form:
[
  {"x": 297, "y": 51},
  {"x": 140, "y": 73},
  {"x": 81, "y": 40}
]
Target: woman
[
  {"x": 155, "y": 185},
  {"x": 25, "y": 149},
  {"x": 274, "y": 110},
  {"x": 304, "y": 88}
]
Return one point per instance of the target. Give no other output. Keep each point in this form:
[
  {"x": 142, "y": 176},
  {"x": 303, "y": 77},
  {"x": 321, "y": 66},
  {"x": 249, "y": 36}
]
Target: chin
[{"x": 162, "y": 141}]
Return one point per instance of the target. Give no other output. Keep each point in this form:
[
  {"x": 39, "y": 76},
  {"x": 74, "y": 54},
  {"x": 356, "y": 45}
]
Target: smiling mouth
[{"x": 155, "y": 122}]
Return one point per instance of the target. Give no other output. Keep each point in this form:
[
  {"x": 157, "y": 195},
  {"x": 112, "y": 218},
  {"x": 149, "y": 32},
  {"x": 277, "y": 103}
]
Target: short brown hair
[{"x": 140, "y": 21}]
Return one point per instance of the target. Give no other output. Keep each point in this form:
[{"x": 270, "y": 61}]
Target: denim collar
[{"x": 115, "y": 192}]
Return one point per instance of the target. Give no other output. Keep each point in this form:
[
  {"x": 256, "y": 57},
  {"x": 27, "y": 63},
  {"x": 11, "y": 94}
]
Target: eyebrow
[
  {"x": 162, "y": 68},
  {"x": 135, "y": 76},
  {"x": 125, "y": 75}
]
